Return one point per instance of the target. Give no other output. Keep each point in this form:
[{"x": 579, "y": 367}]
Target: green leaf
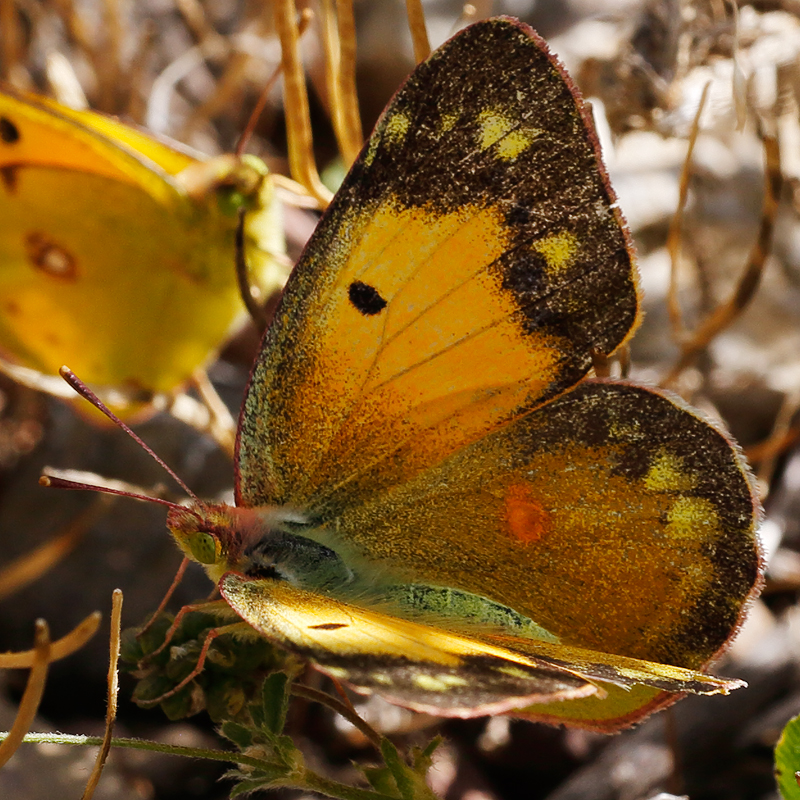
[
  {"x": 240, "y": 735},
  {"x": 275, "y": 702},
  {"x": 381, "y": 780},
  {"x": 422, "y": 759},
  {"x": 787, "y": 760},
  {"x": 401, "y": 773}
]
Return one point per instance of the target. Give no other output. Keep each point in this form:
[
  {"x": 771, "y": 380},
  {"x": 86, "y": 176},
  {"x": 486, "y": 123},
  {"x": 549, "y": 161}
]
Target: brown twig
[
  {"x": 298, "y": 121},
  {"x": 419, "y": 33},
  {"x": 674, "y": 234},
  {"x": 728, "y": 311},
  {"x": 113, "y": 688}
]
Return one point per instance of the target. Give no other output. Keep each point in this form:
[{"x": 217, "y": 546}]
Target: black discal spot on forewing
[
  {"x": 366, "y": 298},
  {"x": 328, "y": 626},
  {"x": 9, "y": 132}
]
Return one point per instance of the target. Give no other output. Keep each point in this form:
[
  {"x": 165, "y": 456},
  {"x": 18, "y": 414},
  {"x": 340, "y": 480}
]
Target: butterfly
[
  {"x": 433, "y": 502},
  {"x": 116, "y": 249}
]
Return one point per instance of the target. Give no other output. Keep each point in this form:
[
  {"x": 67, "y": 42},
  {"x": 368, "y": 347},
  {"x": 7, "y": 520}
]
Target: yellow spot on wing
[
  {"x": 449, "y": 120},
  {"x": 372, "y": 149},
  {"x": 689, "y": 516},
  {"x": 337, "y": 672},
  {"x": 397, "y": 125},
  {"x": 557, "y": 250},
  {"x": 505, "y": 132},
  {"x": 666, "y": 474},
  {"x": 438, "y": 683}
]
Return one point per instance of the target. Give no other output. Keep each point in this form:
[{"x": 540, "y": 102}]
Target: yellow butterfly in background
[
  {"x": 433, "y": 505},
  {"x": 117, "y": 249}
]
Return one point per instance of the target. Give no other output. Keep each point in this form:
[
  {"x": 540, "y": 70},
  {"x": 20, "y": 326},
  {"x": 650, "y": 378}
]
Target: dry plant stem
[
  {"x": 345, "y": 710},
  {"x": 227, "y": 91},
  {"x": 10, "y": 40},
  {"x": 76, "y": 29},
  {"x": 167, "y": 597},
  {"x": 419, "y": 33},
  {"x": 624, "y": 357},
  {"x": 61, "y": 648},
  {"x": 675, "y": 777},
  {"x": 195, "y": 19},
  {"x": 113, "y": 688},
  {"x": 674, "y": 235},
  {"x": 739, "y": 81},
  {"x": 777, "y": 444},
  {"x": 196, "y": 415},
  {"x": 298, "y": 122},
  {"x": 351, "y": 137},
  {"x": 222, "y": 426},
  {"x": 255, "y": 114},
  {"x": 201, "y": 661},
  {"x": 31, "y": 566},
  {"x": 332, "y": 50},
  {"x": 32, "y": 695},
  {"x": 254, "y": 308},
  {"x": 289, "y": 192},
  {"x": 781, "y": 431},
  {"x": 109, "y": 57},
  {"x": 247, "y": 133},
  {"x": 601, "y": 364},
  {"x": 136, "y": 71},
  {"x": 728, "y": 311}
]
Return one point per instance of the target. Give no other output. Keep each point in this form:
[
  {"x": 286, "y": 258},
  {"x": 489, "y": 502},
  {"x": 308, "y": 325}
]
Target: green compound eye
[{"x": 204, "y": 547}]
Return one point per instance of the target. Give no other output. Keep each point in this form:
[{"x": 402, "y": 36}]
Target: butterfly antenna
[
  {"x": 51, "y": 481},
  {"x": 85, "y": 392}
]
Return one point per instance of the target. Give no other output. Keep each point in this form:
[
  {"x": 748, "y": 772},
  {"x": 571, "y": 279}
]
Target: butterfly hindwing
[
  {"x": 591, "y": 515},
  {"x": 435, "y": 670}
]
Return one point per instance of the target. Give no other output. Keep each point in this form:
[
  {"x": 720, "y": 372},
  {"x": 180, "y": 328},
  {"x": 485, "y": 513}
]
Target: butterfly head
[
  {"x": 267, "y": 542},
  {"x": 218, "y": 535}
]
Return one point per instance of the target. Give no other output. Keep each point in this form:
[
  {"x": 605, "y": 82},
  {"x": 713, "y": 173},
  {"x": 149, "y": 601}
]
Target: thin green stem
[
  {"x": 304, "y": 779},
  {"x": 338, "y": 707}
]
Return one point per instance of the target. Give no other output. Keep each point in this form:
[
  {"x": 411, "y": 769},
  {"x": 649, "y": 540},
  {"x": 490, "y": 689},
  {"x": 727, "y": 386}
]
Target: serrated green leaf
[
  {"x": 381, "y": 780},
  {"x": 239, "y": 734},
  {"x": 275, "y": 702},
  {"x": 180, "y": 705},
  {"x": 131, "y": 651},
  {"x": 261, "y": 778},
  {"x": 225, "y": 698},
  {"x": 147, "y": 642},
  {"x": 399, "y": 769}
]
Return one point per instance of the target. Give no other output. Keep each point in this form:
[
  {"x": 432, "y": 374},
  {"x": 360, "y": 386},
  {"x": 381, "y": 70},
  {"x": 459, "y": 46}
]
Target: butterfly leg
[
  {"x": 209, "y": 608},
  {"x": 163, "y": 604},
  {"x": 234, "y": 628}
]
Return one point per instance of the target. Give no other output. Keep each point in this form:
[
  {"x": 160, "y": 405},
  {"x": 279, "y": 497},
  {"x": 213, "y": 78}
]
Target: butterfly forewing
[{"x": 469, "y": 265}]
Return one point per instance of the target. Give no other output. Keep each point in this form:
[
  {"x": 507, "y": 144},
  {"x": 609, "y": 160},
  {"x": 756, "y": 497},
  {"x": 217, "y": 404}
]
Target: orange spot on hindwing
[{"x": 527, "y": 520}]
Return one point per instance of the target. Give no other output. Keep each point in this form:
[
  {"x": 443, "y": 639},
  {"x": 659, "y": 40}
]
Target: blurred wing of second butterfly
[{"x": 117, "y": 250}]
